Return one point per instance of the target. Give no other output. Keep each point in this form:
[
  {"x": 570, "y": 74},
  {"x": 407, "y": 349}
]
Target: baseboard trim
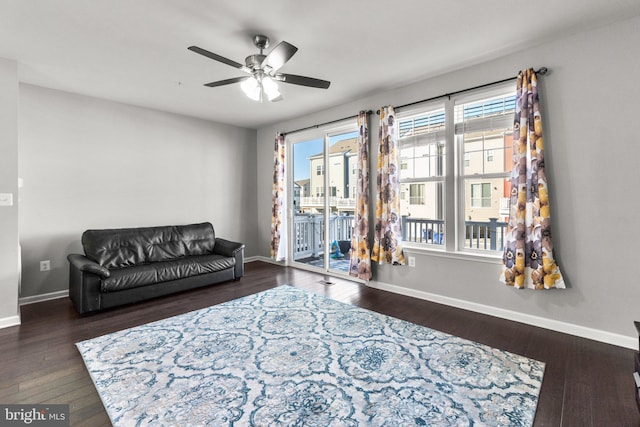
[
  {"x": 554, "y": 325},
  {"x": 9, "y": 321},
  {"x": 43, "y": 297},
  {"x": 264, "y": 259}
]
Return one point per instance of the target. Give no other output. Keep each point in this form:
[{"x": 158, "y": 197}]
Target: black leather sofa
[{"x": 122, "y": 266}]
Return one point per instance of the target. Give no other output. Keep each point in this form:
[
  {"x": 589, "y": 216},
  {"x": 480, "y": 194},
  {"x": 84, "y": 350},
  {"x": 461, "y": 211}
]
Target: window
[
  {"x": 422, "y": 149},
  {"x": 416, "y": 194},
  {"x": 455, "y": 172},
  {"x": 489, "y": 155},
  {"x": 333, "y": 191},
  {"x": 481, "y": 195},
  {"x": 319, "y": 191},
  {"x": 319, "y": 169}
]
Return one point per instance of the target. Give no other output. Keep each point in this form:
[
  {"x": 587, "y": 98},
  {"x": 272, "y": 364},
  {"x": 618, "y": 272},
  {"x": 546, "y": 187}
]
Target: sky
[{"x": 303, "y": 150}]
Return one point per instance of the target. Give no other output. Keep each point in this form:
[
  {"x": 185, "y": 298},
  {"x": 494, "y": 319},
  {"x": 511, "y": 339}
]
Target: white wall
[
  {"x": 91, "y": 163},
  {"x": 9, "y": 271},
  {"x": 590, "y": 111}
]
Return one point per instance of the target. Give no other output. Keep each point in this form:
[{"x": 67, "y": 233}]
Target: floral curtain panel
[
  {"x": 278, "y": 218},
  {"x": 360, "y": 261},
  {"x": 387, "y": 246},
  {"x": 528, "y": 251}
]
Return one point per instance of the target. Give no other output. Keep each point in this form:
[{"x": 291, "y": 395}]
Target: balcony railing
[
  {"x": 318, "y": 202},
  {"x": 487, "y": 235},
  {"x": 421, "y": 230},
  {"x": 308, "y": 232}
]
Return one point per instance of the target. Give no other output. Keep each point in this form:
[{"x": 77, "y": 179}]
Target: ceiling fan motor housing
[{"x": 254, "y": 61}]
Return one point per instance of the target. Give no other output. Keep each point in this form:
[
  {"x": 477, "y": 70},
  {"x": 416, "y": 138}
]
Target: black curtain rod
[
  {"x": 323, "y": 124},
  {"x": 542, "y": 71}
]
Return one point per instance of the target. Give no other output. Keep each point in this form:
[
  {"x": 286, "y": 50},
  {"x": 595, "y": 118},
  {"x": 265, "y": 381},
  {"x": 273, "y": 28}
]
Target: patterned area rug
[{"x": 288, "y": 357}]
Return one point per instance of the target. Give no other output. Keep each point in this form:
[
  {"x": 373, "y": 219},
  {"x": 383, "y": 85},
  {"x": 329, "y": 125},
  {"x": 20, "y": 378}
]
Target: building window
[
  {"x": 319, "y": 191},
  {"x": 457, "y": 171},
  {"x": 481, "y": 195},
  {"x": 333, "y": 191},
  {"x": 319, "y": 169},
  {"x": 416, "y": 194},
  {"x": 489, "y": 155}
]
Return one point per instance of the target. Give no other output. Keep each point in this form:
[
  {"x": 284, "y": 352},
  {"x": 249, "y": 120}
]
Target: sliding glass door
[{"x": 322, "y": 184}]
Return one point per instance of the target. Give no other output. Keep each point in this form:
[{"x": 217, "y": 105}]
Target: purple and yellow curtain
[
  {"x": 528, "y": 251},
  {"x": 278, "y": 228},
  {"x": 387, "y": 245},
  {"x": 360, "y": 261}
]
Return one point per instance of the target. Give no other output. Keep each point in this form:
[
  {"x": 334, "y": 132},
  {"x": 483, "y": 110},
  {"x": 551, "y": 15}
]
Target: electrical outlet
[
  {"x": 412, "y": 261},
  {"x": 45, "y": 265},
  {"x": 6, "y": 199}
]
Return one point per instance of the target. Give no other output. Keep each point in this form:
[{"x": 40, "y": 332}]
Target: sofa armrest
[
  {"x": 232, "y": 249},
  {"x": 83, "y": 263},
  {"x": 85, "y": 277},
  {"x": 227, "y": 247}
]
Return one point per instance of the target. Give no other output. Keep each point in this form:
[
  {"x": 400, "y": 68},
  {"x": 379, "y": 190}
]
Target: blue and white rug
[{"x": 288, "y": 357}]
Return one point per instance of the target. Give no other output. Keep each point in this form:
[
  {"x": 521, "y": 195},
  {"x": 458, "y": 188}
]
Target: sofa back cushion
[
  {"x": 124, "y": 247},
  {"x": 198, "y": 239}
]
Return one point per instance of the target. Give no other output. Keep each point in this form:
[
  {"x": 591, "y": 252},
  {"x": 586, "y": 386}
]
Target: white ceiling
[{"x": 135, "y": 51}]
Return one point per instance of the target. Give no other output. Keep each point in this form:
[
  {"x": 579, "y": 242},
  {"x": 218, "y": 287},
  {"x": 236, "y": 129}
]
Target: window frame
[
  {"x": 454, "y": 180},
  {"x": 325, "y": 132},
  {"x": 436, "y": 139}
]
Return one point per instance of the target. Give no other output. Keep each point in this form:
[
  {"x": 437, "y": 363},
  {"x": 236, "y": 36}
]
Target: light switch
[{"x": 6, "y": 199}]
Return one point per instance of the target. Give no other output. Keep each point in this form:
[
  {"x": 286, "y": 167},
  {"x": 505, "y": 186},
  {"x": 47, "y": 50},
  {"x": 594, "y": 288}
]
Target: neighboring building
[
  {"x": 487, "y": 198},
  {"x": 343, "y": 170},
  {"x": 300, "y": 189}
]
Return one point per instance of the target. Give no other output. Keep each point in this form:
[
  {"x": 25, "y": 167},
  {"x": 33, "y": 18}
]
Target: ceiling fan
[{"x": 262, "y": 70}]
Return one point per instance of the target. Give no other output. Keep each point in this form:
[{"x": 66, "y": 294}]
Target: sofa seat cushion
[{"x": 164, "y": 271}]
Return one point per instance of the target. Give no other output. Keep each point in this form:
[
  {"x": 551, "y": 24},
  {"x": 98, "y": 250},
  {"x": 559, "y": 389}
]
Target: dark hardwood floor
[{"x": 586, "y": 383}]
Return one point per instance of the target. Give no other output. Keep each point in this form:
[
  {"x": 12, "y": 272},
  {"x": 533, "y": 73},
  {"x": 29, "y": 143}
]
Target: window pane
[
  {"x": 422, "y": 212},
  {"x": 310, "y": 200},
  {"x": 422, "y": 146},
  {"x": 484, "y": 134},
  {"x": 487, "y": 152},
  {"x": 421, "y": 160},
  {"x": 422, "y": 171}
]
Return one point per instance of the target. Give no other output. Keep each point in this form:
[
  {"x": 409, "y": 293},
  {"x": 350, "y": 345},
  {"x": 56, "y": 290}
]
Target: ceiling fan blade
[
  {"x": 226, "y": 82},
  {"x": 303, "y": 81},
  {"x": 215, "y": 57},
  {"x": 279, "y": 56}
]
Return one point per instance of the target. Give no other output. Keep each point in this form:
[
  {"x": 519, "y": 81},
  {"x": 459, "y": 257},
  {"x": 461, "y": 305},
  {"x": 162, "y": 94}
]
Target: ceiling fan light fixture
[
  {"x": 270, "y": 88},
  {"x": 251, "y": 88}
]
